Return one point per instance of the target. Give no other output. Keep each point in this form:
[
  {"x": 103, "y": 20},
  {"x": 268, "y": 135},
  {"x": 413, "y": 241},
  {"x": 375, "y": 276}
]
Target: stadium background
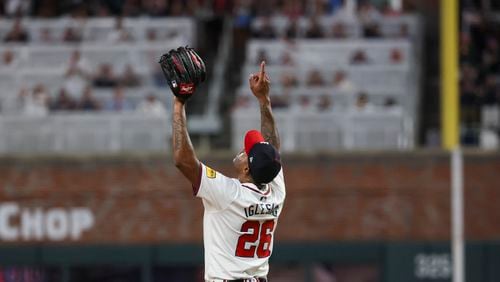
[{"x": 88, "y": 190}]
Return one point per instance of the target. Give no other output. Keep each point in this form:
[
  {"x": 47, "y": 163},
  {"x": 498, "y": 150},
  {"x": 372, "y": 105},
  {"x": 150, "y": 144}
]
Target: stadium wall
[
  {"x": 145, "y": 200},
  {"x": 383, "y": 213}
]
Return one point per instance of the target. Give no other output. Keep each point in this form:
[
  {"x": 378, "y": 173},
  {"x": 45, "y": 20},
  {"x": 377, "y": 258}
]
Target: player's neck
[{"x": 245, "y": 179}]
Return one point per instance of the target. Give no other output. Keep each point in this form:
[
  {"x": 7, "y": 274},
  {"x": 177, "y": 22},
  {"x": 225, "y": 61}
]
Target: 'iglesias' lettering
[{"x": 262, "y": 209}]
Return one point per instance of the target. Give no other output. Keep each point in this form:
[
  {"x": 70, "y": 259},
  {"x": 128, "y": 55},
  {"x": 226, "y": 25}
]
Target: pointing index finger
[{"x": 262, "y": 70}]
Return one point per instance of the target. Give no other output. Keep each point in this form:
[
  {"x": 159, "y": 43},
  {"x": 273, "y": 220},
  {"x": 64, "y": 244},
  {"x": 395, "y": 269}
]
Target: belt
[
  {"x": 256, "y": 279},
  {"x": 249, "y": 280}
]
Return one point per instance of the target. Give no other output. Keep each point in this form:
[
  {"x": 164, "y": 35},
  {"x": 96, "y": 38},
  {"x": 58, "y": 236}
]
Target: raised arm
[
  {"x": 259, "y": 84},
  {"x": 184, "y": 156}
]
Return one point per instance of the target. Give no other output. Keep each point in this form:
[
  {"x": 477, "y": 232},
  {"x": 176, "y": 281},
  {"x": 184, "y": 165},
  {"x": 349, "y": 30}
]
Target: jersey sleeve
[{"x": 215, "y": 189}]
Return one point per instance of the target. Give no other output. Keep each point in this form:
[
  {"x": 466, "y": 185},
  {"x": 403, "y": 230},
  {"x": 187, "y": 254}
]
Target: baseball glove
[{"x": 184, "y": 70}]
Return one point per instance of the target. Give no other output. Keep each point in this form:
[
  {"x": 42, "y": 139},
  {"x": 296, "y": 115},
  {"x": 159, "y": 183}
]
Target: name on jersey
[{"x": 262, "y": 209}]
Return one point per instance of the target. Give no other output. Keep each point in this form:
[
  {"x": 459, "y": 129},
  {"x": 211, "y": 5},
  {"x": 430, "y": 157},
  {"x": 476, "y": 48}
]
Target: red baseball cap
[
  {"x": 263, "y": 159},
  {"x": 252, "y": 137}
]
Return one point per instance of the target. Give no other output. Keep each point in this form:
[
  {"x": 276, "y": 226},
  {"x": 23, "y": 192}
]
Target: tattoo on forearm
[
  {"x": 177, "y": 127},
  {"x": 183, "y": 151},
  {"x": 180, "y": 136},
  {"x": 268, "y": 126}
]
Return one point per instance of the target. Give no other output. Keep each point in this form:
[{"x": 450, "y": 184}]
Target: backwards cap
[{"x": 263, "y": 159}]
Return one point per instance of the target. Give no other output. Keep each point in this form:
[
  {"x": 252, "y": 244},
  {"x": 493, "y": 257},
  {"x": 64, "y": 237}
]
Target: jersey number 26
[{"x": 260, "y": 232}]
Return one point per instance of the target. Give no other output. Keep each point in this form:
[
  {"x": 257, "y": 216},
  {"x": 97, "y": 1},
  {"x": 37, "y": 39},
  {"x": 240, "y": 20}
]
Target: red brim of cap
[{"x": 252, "y": 137}]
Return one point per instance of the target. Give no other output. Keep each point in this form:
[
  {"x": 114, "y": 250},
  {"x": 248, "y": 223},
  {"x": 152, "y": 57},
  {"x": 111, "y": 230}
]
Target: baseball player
[{"x": 240, "y": 213}]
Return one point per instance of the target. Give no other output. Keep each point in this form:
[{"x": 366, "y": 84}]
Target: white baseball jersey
[{"x": 238, "y": 224}]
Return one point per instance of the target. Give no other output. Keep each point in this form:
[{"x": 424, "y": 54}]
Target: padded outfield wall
[{"x": 392, "y": 209}]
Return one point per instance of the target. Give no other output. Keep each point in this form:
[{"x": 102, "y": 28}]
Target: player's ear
[{"x": 246, "y": 169}]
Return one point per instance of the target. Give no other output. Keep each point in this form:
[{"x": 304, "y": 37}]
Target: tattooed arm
[
  {"x": 259, "y": 84},
  {"x": 184, "y": 156},
  {"x": 267, "y": 125}
]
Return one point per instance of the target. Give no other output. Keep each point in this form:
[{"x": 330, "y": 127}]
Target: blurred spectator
[
  {"x": 304, "y": 104},
  {"x": 16, "y": 8},
  {"x": 220, "y": 6},
  {"x": 158, "y": 76},
  {"x": 77, "y": 64},
  {"x": 63, "y": 102},
  {"x": 490, "y": 63},
  {"x": 155, "y": 8},
  {"x": 325, "y": 103},
  {"x": 396, "y": 56},
  {"x": 131, "y": 8},
  {"x": 242, "y": 14},
  {"x": 286, "y": 59},
  {"x": 341, "y": 82},
  {"x": 469, "y": 73},
  {"x": 334, "y": 5},
  {"x": 35, "y": 103},
  {"x": 369, "y": 18},
  {"x": 492, "y": 45},
  {"x": 404, "y": 31},
  {"x": 46, "y": 36},
  {"x": 266, "y": 30},
  {"x": 466, "y": 51},
  {"x": 280, "y": 101},
  {"x": 77, "y": 75},
  {"x": 118, "y": 102},
  {"x": 88, "y": 102},
  {"x": 119, "y": 33},
  {"x": 390, "y": 105},
  {"x": 491, "y": 91},
  {"x": 289, "y": 80},
  {"x": 105, "y": 76},
  {"x": 339, "y": 30},
  {"x": 174, "y": 35},
  {"x": 321, "y": 7},
  {"x": 113, "y": 7},
  {"x": 315, "y": 78},
  {"x": 372, "y": 31},
  {"x": 359, "y": 57},
  {"x": 79, "y": 9},
  {"x": 194, "y": 8},
  {"x": 470, "y": 101},
  {"x": 242, "y": 102},
  {"x": 129, "y": 78},
  {"x": 470, "y": 112},
  {"x": 388, "y": 11},
  {"x": 71, "y": 35},
  {"x": 151, "y": 106},
  {"x": 8, "y": 59},
  {"x": 315, "y": 30},
  {"x": 151, "y": 35},
  {"x": 102, "y": 11},
  {"x": 17, "y": 33},
  {"x": 176, "y": 8},
  {"x": 292, "y": 31},
  {"x": 479, "y": 92},
  {"x": 293, "y": 9},
  {"x": 264, "y": 8},
  {"x": 347, "y": 13},
  {"x": 390, "y": 102},
  {"x": 363, "y": 103}
]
